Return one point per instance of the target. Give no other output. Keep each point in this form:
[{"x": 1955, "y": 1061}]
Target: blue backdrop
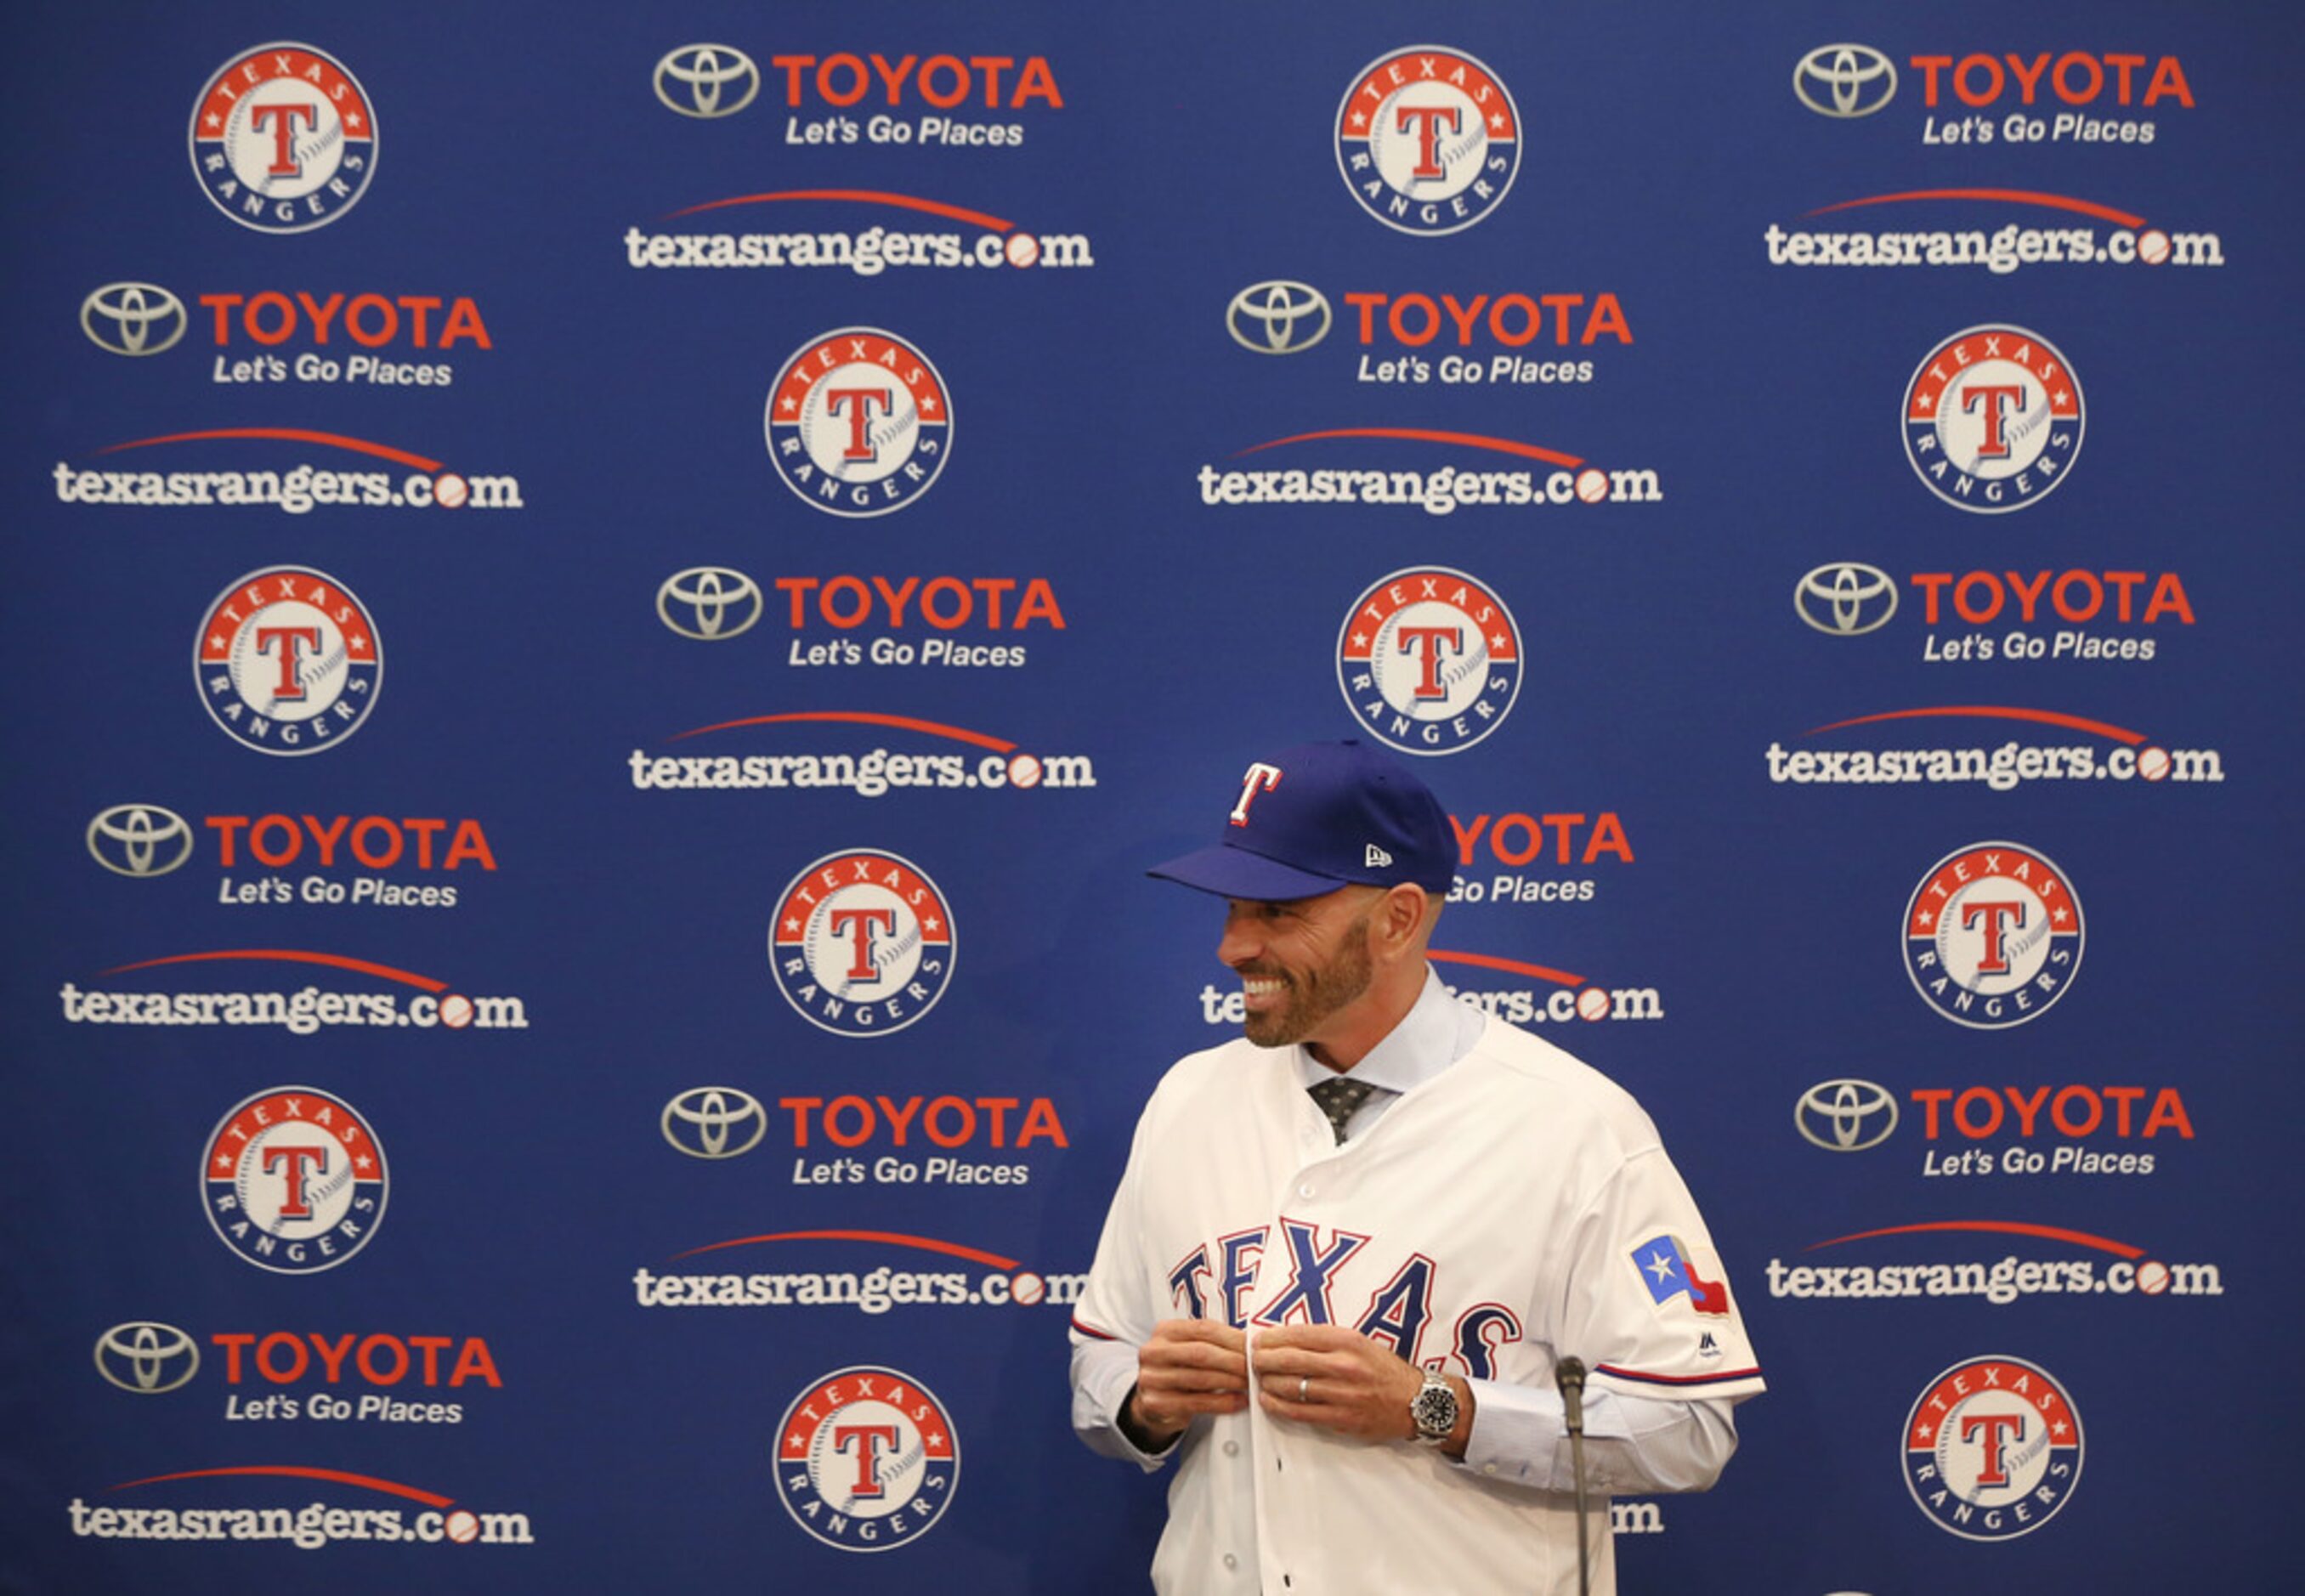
[{"x": 462, "y": 1128}]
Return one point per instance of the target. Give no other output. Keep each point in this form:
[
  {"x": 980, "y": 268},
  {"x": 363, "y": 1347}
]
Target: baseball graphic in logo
[
  {"x": 294, "y": 1181},
  {"x": 1993, "y": 419},
  {"x": 862, "y": 943},
  {"x": 1428, "y": 140},
  {"x": 1429, "y": 661},
  {"x": 859, "y": 422},
  {"x": 287, "y": 661},
  {"x": 866, "y": 1459},
  {"x": 1993, "y": 936},
  {"x": 284, "y": 139},
  {"x": 1993, "y": 1449}
]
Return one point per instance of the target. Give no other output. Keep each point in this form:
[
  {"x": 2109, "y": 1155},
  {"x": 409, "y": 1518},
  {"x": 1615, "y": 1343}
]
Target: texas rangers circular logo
[
  {"x": 862, "y": 943},
  {"x": 1993, "y": 419},
  {"x": 1429, "y": 661},
  {"x": 859, "y": 422},
  {"x": 1993, "y": 1449},
  {"x": 284, "y": 139},
  {"x": 287, "y": 661},
  {"x": 1428, "y": 140},
  {"x": 294, "y": 1180},
  {"x": 866, "y": 1459},
  {"x": 1993, "y": 936}
]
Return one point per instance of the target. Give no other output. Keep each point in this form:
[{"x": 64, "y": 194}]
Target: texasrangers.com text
[
  {"x": 2000, "y": 770},
  {"x": 308, "y": 1528},
  {"x": 296, "y": 490},
  {"x": 868, "y": 253},
  {"x": 2000, "y": 252},
  {"x": 874, "y": 1293},
  {"x": 1999, "y": 1282},
  {"x": 301, "y": 1013}
]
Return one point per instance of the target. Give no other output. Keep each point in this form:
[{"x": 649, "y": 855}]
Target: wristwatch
[{"x": 1434, "y": 1410}]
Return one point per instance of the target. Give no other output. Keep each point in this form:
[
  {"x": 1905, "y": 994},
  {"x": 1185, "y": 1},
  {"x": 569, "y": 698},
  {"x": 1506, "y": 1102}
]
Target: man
[{"x": 1348, "y": 1249}]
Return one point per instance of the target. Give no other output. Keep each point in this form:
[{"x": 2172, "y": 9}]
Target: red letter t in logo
[
  {"x": 282, "y": 120},
  {"x": 291, "y": 690},
  {"x": 301, "y": 1161},
  {"x": 1999, "y": 1429},
  {"x": 1998, "y": 918},
  {"x": 1428, "y": 132},
  {"x": 1261, "y": 779},
  {"x": 1429, "y": 685},
  {"x": 1996, "y": 398},
  {"x": 860, "y": 418},
  {"x": 857, "y": 925},
  {"x": 868, "y": 1441}
]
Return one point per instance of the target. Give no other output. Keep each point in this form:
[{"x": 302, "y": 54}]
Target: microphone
[{"x": 1568, "y": 1374}]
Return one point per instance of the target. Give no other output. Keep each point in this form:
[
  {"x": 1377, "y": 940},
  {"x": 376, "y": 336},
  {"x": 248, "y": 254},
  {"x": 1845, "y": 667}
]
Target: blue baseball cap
[{"x": 1316, "y": 817}]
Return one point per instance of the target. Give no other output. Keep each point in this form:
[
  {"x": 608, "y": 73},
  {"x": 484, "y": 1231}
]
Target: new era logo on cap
[{"x": 1315, "y": 817}]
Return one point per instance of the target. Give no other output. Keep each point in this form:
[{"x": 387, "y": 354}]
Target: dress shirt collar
[{"x": 1434, "y": 1033}]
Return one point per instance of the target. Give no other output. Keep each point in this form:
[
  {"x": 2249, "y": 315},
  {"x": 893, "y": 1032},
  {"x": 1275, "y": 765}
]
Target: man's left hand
[{"x": 1336, "y": 1379}]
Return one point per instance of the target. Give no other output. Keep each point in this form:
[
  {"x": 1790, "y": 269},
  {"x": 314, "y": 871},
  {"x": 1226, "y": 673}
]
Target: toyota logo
[
  {"x": 708, "y": 594},
  {"x": 137, "y": 1356},
  {"x": 711, "y": 1114},
  {"x": 133, "y": 318},
  {"x": 1846, "y": 600},
  {"x": 1838, "y": 1115},
  {"x": 1269, "y": 317},
  {"x": 704, "y": 72},
  {"x": 129, "y": 839},
  {"x": 1857, "y": 79}
]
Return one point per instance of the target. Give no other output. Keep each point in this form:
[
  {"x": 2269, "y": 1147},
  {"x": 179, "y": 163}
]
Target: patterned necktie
[{"x": 1339, "y": 1099}]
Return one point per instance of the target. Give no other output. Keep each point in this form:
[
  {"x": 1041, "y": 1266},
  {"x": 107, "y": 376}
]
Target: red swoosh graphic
[
  {"x": 1994, "y": 712},
  {"x": 294, "y": 956},
  {"x": 859, "y": 196},
  {"x": 1490, "y": 962},
  {"x": 1471, "y": 440},
  {"x": 926, "y": 1243},
  {"x": 864, "y": 717},
  {"x": 294, "y": 1472},
  {"x": 299, "y": 435},
  {"x": 2009, "y": 196},
  {"x": 2080, "y": 1238}
]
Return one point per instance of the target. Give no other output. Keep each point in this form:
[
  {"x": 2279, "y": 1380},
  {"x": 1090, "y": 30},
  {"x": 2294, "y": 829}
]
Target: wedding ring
[{"x": 1303, "y": 1387}]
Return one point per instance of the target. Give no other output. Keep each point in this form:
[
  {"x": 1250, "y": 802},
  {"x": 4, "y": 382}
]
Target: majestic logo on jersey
[
  {"x": 1993, "y": 419},
  {"x": 866, "y": 1459},
  {"x": 862, "y": 943},
  {"x": 1429, "y": 661},
  {"x": 284, "y": 139},
  {"x": 859, "y": 422},
  {"x": 1993, "y": 1449},
  {"x": 1993, "y": 936},
  {"x": 1670, "y": 1268},
  {"x": 287, "y": 661},
  {"x": 1428, "y": 140},
  {"x": 294, "y": 1180}
]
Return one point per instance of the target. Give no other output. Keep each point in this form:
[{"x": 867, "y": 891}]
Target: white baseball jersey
[{"x": 1515, "y": 1207}]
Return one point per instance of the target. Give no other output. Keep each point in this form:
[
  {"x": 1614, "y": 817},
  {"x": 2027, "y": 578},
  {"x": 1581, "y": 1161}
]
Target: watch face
[{"x": 1435, "y": 1411}]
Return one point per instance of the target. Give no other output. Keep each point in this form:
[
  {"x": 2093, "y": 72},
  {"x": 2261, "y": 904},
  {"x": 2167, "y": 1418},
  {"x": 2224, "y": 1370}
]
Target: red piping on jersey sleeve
[
  {"x": 1091, "y": 1331},
  {"x": 1672, "y": 1379}
]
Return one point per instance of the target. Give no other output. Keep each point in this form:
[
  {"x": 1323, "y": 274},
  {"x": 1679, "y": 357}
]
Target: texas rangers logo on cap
[
  {"x": 859, "y": 422},
  {"x": 294, "y": 1181},
  {"x": 287, "y": 661},
  {"x": 1993, "y": 419},
  {"x": 1428, "y": 140},
  {"x": 1993, "y": 1449},
  {"x": 284, "y": 139},
  {"x": 1429, "y": 661},
  {"x": 866, "y": 1459},
  {"x": 862, "y": 943},
  {"x": 1993, "y": 936}
]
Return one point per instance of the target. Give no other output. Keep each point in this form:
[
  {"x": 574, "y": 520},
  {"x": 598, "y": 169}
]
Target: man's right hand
[{"x": 1190, "y": 1367}]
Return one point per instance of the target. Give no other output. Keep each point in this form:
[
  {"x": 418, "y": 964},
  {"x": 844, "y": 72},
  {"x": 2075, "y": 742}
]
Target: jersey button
[
  {"x": 1231, "y": 1562},
  {"x": 1305, "y": 1189},
  {"x": 1232, "y": 1449}
]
